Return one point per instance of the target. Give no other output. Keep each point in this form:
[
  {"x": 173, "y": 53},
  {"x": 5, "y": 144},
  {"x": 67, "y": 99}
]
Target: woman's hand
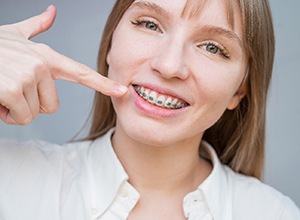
[{"x": 28, "y": 70}]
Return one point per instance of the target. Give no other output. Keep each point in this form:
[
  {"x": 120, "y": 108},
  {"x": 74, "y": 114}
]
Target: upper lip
[{"x": 163, "y": 90}]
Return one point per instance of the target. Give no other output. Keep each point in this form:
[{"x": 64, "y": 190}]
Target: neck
[{"x": 175, "y": 167}]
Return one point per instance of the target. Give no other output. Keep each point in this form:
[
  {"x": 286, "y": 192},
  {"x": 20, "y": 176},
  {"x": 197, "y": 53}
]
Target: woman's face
[{"x": 184, "y": 68}]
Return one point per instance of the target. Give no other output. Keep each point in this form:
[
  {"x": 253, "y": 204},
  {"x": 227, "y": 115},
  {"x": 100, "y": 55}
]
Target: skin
[
  {"x": 152, "y": 143},
  {"x": 28, "y": 71},
  {"x": 168, "y": 52}
]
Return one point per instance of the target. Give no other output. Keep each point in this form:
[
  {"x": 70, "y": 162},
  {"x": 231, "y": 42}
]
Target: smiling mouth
[{"x": 161, "y": 100}]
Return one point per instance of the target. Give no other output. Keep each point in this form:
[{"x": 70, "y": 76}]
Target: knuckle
[
  {"x": 83, "y": 69},
  {"x": 50, "y": 109},
  {"x": 38, "y": 61},
  {"x": 14, "y": 91},
  {"x": 35, "y": 111},
  {"x": 26, "y": 121},
  {"x": 41, "y": 47},
  {"x": 84, "y": 73},
  {"x": 29, "y": 80},
  {"x": 40, "y": 24},
  {"x": 105, "y": 83},
  {"x": 39, "y": 64},
  {"x": 54, "y": 108}
]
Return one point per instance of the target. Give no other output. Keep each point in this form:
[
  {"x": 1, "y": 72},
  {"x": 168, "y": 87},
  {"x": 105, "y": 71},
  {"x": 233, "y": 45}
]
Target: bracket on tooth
[{"x": 161, "y": 101}]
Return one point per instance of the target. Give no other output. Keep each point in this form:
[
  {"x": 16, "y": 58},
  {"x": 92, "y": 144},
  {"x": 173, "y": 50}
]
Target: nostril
[{"x": 171, "y": 62}]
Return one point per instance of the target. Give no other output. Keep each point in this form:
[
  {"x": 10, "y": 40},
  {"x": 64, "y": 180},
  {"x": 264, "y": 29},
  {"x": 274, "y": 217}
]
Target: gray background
[{"x": 76, "y": 34}]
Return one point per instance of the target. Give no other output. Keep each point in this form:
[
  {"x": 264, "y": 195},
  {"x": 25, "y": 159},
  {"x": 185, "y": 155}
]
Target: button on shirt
[{"x": 86, "y": 181}]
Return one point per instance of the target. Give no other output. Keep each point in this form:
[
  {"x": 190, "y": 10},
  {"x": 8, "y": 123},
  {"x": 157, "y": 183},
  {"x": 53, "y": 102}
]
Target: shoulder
[
  {"x": 34, "y": 160},
  {"x": 62, "y": 174},
  {"x": 36, "y": 150},
  {"x": 33, "y": 169},
  {"x": 252, "y": 199},
  {"x": 46, "y": 158},
  {"x": 32, "y": 157}
]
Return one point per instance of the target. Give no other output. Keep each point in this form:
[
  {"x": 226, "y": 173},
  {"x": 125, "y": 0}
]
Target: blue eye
[
  {"x": 146, "y": 23},
  {"x": 151, "y": 26},
  {"x": 215, "y": 48},
  {"x": 212, "y": 48}
]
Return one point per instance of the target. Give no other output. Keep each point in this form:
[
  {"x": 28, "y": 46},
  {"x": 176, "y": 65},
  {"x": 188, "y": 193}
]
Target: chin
[{"x": 144, "y": 133}]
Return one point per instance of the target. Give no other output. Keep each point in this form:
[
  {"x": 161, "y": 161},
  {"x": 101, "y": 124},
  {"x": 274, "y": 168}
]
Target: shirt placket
[
  {"x": 124, "y": 202},
  {"x": 195, "y": 206}
]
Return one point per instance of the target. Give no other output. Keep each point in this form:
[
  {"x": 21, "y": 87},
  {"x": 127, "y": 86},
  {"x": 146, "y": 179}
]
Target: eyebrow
[
  {"x": 152, "y": 7},
  {"x": 206, "y": 28},
  {"x": 222, "y": 31}
]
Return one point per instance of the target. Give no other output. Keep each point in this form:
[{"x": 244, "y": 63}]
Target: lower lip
[{"x": 152, "y": 110}]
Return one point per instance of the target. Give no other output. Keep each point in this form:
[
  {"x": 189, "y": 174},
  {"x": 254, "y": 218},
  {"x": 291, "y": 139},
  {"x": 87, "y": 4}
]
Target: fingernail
[
  {"x": 50, "y": 6},
  {"x": 121, "y": 89}
]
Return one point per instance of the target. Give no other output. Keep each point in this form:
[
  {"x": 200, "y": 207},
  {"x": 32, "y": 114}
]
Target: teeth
[
  {"x": 174, "y": 103},
  {"x": 145, "y": 94},
  {"x": 152, "y": 97},
  {"x": 158, "y": 99},
  {"x": 168, "y": 103}
]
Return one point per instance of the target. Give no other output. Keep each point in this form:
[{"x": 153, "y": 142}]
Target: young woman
[{"x": 183, "y": 138}]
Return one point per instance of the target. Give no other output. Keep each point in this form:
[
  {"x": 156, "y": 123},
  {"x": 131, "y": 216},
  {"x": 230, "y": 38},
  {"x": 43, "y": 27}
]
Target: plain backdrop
[{"x": 76, "y": 34}]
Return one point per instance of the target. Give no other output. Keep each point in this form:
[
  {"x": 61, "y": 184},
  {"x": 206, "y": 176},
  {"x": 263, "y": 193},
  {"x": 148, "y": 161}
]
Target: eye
[
  {"x": 212, "y": 48},
  {"x": 215, "y": 48},
  {"x": 151, "y": 25}
]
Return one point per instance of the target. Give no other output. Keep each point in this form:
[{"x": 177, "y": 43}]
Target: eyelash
[
  {"x": 143, "y": 22},
  {"x": 221, "y": 49}
]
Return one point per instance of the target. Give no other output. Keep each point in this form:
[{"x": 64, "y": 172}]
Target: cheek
[
  {"x": 119, "y": 68},
  {"x": 217, "y": 85},
  {"x": 125, "y": 59},
  {"x": 212, "y": 101},
  {"x": 130, "y": 52}
]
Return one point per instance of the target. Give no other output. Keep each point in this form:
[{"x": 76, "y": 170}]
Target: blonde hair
[{"x": 239, "y": 135}]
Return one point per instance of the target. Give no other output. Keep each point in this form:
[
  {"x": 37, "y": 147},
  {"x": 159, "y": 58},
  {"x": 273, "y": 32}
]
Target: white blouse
[{"x": 86, "y": 181}]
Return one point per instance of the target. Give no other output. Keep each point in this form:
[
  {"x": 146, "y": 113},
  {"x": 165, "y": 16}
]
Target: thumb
[{"x": 37, "y": 24}]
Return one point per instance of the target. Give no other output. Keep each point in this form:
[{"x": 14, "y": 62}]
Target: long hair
[{"x": 239, "y": 135}]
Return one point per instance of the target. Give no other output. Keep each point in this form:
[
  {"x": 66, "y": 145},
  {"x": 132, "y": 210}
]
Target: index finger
[{"x": 67, "y": 69}]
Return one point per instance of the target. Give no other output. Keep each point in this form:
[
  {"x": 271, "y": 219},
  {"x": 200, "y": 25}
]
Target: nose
[{"x": 169, "y": 61}]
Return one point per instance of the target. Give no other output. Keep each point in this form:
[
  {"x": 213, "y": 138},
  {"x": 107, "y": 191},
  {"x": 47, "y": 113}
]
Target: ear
[{"x": 238, "y": 96}]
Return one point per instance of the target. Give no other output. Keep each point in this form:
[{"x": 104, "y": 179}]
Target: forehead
[{"x": 193, "y": 8}]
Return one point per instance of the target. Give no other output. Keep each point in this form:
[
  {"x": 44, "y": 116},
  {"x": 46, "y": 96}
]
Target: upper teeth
[{"x": 159, "y": 99}]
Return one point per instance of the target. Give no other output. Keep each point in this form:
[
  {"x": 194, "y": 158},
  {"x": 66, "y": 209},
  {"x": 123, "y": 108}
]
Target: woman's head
[{"x": 238, "y": 135}]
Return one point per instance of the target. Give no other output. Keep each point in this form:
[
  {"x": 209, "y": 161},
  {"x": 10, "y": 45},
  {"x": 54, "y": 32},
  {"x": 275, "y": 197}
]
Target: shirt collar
[
  {"x": 106, "y": 174},
  {"x": 216, "y": 186}
]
